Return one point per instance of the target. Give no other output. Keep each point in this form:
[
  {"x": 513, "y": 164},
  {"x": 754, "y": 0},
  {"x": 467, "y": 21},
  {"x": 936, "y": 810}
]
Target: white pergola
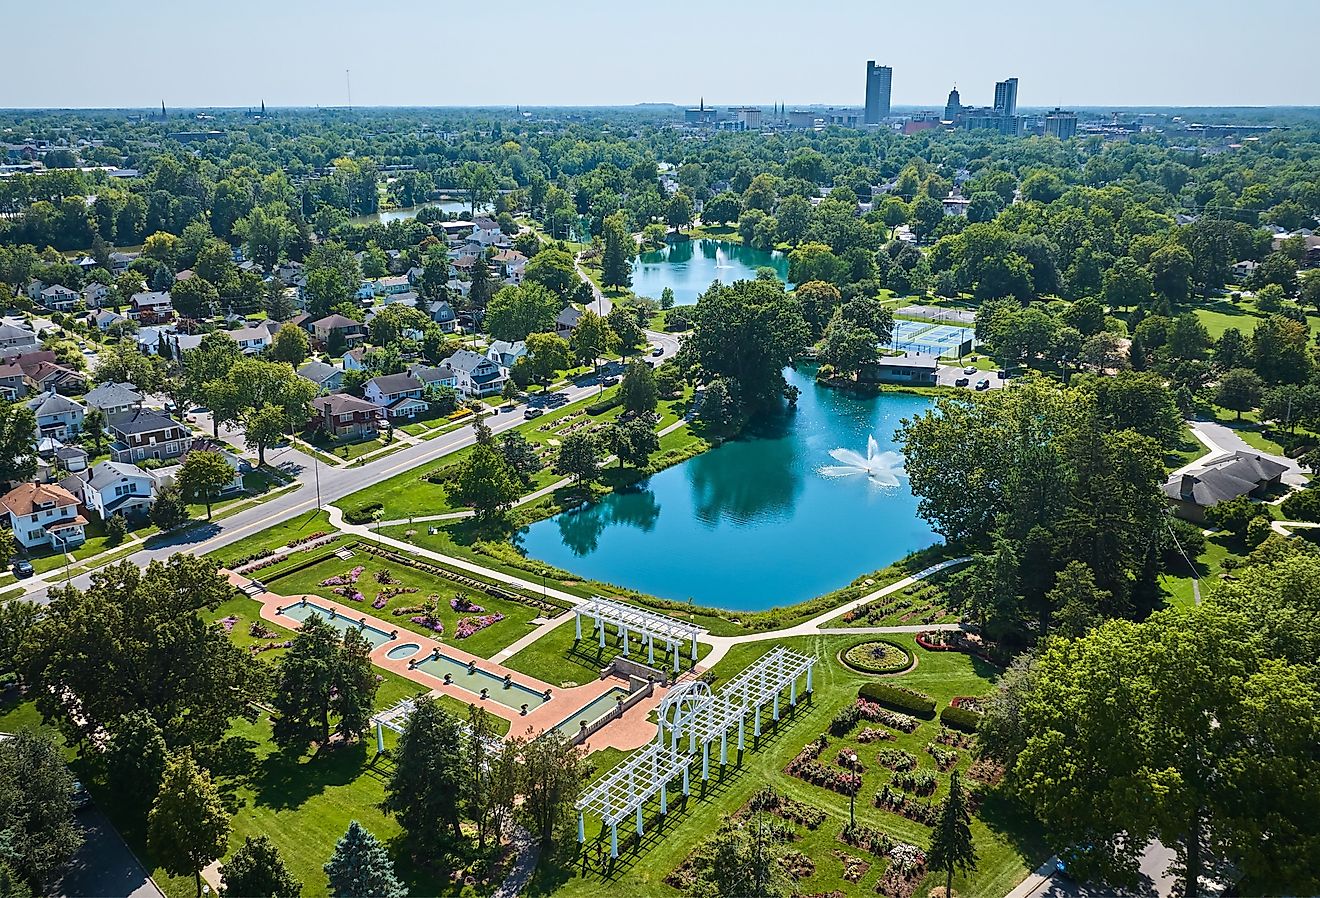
[
  {"x": 691, "y": 710},
  {"x": 648, "y": 625},
  {"x": 626, "y": 789},
  {"x": 394, "y": 718}
]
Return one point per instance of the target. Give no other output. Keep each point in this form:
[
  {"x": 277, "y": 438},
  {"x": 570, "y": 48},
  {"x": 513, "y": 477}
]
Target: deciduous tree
[{"x": 188, "y": 826}]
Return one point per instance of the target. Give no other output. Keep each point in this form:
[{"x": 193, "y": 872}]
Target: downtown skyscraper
[{"x": 879, "y": 86}]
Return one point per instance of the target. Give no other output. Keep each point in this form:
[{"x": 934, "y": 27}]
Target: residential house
[
  {"x": 114, "y": 488},
  {"x": 337, "y": 329},
  {"x": 164, "y": 477},
  {"x": 179, "y": 342},
  {"x": 506, "y": 354},
  {"x": 144, "y": 433},
  {"x": 34, "y": 288},
  {"x": 388, "y": 286},
  {"x": 486, "y": 232},
  {"x": 94, "y": 294},
  {"x": 458, "y": 288},
  {"x": 340, "y": 414},
  {"x": 151, "y": 339},
  {"x": 455, "y": 230},
  {"x": 399, "y": 394},
  {"x": 1222, "y": 479},
  {"x": 566, "y": 320},
  {"x": 510, "y": 264},
  {"x": 442, "y": 313},
  {"x": 114, "y": 400},
  {"x": 43, "y": 515},
  {"x": 104, "y": 319},
  {"x": 69, "y": 460},
  {"x": 356, "y": 359},
  {"x": 15, "y": 340},
  {"x": 477, "y": 376},
  {"x": 150, "y": 307},
  {"x": 908, "y": 368},
  {"x": 119, "y": 262},
  {"x": 250, "y": 340},
  {"x": 46, "y": 375},
  {"x": 57, "y": 416},
  {"x": 434, "y": 376},
  {"x": 58, "y": 298},
  {"x": 12, "y": 383},
  {"x": 327, "y": 378}
]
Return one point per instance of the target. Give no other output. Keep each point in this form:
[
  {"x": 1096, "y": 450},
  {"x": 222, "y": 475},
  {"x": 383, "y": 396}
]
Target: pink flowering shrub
[
  {"x": 429, "y": 622},
  {"x": 469, "y": 625}
]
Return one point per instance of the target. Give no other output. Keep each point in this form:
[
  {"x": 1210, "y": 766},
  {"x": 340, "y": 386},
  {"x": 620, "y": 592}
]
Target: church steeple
[{"x": 703, "y": 104}]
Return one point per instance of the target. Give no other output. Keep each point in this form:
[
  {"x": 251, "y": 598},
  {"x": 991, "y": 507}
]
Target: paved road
[
  {"x": 1221, "y": 440},
  {"x": 105, "y": 866}
]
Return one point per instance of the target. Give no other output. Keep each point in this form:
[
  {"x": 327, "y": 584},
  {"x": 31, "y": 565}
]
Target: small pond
[{"x": 689, "y": 267}]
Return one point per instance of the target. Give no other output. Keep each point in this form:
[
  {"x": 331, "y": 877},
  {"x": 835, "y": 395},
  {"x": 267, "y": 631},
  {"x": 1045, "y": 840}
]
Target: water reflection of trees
[
  {"x": 758, "y": 478},
  {"x": 581, "y": 530}
]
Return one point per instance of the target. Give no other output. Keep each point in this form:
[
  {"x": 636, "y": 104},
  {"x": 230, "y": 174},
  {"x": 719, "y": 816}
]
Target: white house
[
  {"x": 15, "y": 340},
  {"x": 477, "y": 375},
  {"x": 57, "y": 416},
  {"x": 58, "y": 298},
  {"x": 438, "y": 376},
  {"x": 44, "y": 515},
  {"x": 486, "y": 232},
  {"x": 399, "y": 394},
  {"x": 251, "y": 340},
  {"x": 506, "y": 354},
  {"x": 356, "y": 359},
  {"x": 112, "y": 487},
  {"x": 94, "y": 294},
  {"x": 114, "y": 399}
]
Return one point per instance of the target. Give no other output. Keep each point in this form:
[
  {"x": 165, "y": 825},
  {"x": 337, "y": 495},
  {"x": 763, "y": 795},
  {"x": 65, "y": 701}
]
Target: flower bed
[
  {"x": 789, "y": 809},
  {"x": 876, "y": 714},
  {"x": 877, "y": 657},
  {"x": 873, "y": 734},
  {"x": 349, "y": 592},
  {"x": 227, "y": 623},
  {"x": 469, "y": 625},
  {"x": 806, "y": 767},
  {"x": 899, "y": 698},
  {"x": 268, "y": 646},
  {"x": 461, "y": 603},
  {"x": 918, "y": 782},
  {"x": 344, "y": 579},
  {"x": 854, "y": 868},
  {"x": 953, "y": 738},
  {"x": 269, "y": 557},
  {"x": 433, "y": 624},
  {"x": 550, "y": 609},
  {"x": 897, "y": 759},
  {"x": 907, "y": 867},
  {"x": 945, "y": 758},
  {"x": 867, "y": 838},
  {"x": 898, "y": 802},
  {"x": 847, "y": 759},
  {"x": 984, "y": 770}
]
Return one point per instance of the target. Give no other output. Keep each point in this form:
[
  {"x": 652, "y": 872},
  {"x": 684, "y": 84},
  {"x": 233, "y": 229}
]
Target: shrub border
[{"x": 911, "y": 658}]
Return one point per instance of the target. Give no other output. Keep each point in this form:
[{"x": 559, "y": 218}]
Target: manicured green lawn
[
  {"x": 300, "y": 527},
  {"x": 1007, "y": 845},
  {"x": 484, "y": 643},
  {"x": 560, "y": 660},
  {"x": 927, "y": 601}
]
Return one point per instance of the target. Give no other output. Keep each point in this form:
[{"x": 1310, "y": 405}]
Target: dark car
[
  {"x": 961, "y": 382},
  {"x": 23, "y": 568},
  {"x": 1001, "y": 374},
  {"x": 983, "y": 384},
  {"x": 658, "y": 351},
  {"x": 533, "y": 413},
  {"x": 82, "y": 799}
]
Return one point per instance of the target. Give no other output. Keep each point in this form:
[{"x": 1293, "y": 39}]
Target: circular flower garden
[{"x": 877, "y": 657}]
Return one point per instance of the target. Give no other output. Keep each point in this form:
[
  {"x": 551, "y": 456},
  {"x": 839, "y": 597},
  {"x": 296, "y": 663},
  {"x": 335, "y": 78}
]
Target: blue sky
[{"x": 618, "y": 52}]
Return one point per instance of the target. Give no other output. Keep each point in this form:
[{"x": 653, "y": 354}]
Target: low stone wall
[
  {"x": 587, "y": 729},
  {"x": 626, "y": 668}
]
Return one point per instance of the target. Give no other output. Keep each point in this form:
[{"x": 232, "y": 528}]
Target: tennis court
[{"x": 932, "y": 339}]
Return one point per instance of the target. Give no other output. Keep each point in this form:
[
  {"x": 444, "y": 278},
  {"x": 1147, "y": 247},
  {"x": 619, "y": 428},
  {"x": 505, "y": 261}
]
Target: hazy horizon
[{"x": 408, "y": 53}]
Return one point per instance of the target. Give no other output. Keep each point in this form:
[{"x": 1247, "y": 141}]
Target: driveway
[
  {"x": 105, "y": 866},
  {"x": 1223, "y": 440}
]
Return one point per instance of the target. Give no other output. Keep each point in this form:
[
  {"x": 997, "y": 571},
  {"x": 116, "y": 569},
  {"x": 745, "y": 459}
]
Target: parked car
[
  {"x": 970, "y": 369},
  {"x": 533, "y": 413},
  {"x": 983, "y": 384},
  {"x": 657, "y": 351},
  {"x": 961, "y": 382},
  {"x": 82, "y": 799},
  {"x": 23, "y": 568},
  {"x": 610, "y": 381}
]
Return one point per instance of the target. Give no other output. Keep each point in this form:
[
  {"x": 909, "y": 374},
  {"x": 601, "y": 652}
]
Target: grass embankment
[{"x": 1007, "y": 844}]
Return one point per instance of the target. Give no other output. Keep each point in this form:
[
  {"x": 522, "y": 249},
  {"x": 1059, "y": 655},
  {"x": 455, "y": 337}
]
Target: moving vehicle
[
  {"x": 983, "y": 384},
  {"x": 657, "y": 351},
  {"x": 610, "y": 381},
  {"x": 23, "y": 568},
  {"x": 1001, "y": 374},
  {"x": 533, "y": 413}
]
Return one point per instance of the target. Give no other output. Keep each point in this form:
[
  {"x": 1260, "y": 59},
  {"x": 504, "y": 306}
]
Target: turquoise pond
[
  {"x": 754, "y": 523},
  {"x": 689, "y": 267}
]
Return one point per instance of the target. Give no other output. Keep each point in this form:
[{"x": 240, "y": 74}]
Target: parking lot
[{"x": 949, "y": 375}]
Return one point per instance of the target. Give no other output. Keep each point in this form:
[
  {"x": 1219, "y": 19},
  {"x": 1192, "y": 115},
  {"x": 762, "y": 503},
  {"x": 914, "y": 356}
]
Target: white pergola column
[
  {"x": 380, "y": 738},
  {"x": 673, "y": 650},
  {"x": 705, "y": 760},
  {"x": 650, "y": 649},
  {"x": 639, "y": 820},
  {"x": 600, "y": 630},
  {"x": 577, "y": 625},
  {"x": 694, "y": 645},
  {"x": 741, "y": 730},
  {"x": 724, "y": 747},
  {"x": 687, "y": 790},
  {"x": 625, "y": 638},
  {"x": 809, "y": 677},
  {"x": 792, "y": 693},
  {"x": 775, "y": 708},
  {"x": 614, "y": 840},
  {"x": 756, "y": 723},
  {"x": 664, "y": 798},
  {"x": 582, "y": 828}
]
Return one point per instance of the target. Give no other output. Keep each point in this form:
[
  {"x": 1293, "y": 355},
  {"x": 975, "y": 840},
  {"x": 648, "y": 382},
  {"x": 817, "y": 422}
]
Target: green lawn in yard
[
  {"x": 1188, "y": 450},
  {"x": 1176, "y": 581},
  {"x": 925, "y": 602},
  {"x": 560, "y": 660},
  {"x": 1008, "y": 845},
  {"x": 484, "y": 643}
]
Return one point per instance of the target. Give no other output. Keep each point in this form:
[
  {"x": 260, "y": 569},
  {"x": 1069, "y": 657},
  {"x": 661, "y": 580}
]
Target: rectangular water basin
[
  {"x": 598, "y": 707},
  {"x": 301, "y": 612},
  {"x": 514, "y": 695}
]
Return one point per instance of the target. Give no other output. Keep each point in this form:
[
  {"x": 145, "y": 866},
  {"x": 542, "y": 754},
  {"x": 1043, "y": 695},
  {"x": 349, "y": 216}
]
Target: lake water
[
  {"x": 449, "y": 207},
  {"x": 752, "y": 524},
  {"x": 689, "y": 267}
]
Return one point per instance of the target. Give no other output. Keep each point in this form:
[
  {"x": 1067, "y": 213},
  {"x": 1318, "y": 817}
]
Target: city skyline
[{"x": 1074, "y": 57}]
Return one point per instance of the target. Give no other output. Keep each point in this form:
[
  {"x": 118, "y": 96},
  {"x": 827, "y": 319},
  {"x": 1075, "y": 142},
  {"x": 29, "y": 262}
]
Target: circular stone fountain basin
[{"x": 407, "y": 650}]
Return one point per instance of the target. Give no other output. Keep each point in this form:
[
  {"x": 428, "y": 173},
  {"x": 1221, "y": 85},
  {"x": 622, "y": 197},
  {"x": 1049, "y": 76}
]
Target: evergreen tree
[
  {"x": 951, "y": 839},
  {"x": 257, "y": 871},
  {"x": 361, "y": 868},
  {"x": 482, "y": 287},
  {"x": 38, "y": 834},
  {"x": 188, "y": 826},
  {"x": 429, "y": 781}
]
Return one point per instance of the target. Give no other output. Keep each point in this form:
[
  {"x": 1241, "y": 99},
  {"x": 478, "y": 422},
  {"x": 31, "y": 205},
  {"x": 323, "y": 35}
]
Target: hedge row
[
  {"x": 960, "y": 719},
  {"x": 604, "y": 405},
  {"x": 900, "y": 698},
  {"x": 363, "y": 515}
]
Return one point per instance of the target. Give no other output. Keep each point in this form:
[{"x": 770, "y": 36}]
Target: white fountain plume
[{"x": 882, "y": 468}]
